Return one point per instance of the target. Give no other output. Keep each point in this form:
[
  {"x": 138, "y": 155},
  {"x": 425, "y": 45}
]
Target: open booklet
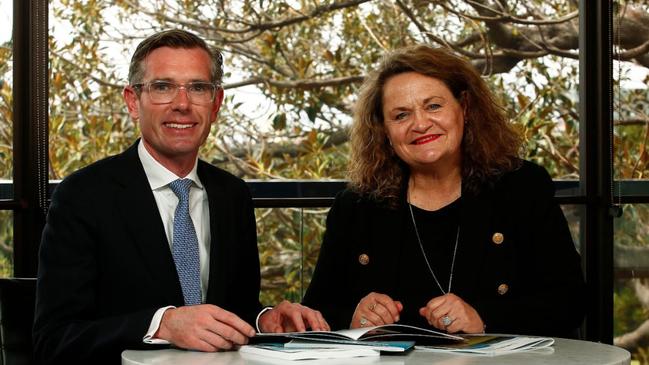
[
  {"x": 492, "y": 345},
  {"x": 394, "y": 337}
]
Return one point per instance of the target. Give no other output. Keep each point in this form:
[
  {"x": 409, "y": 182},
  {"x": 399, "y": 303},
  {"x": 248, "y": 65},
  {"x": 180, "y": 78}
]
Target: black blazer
[
  {"x": 105, "y": 264},
  {"x": 531, "y": 283}
]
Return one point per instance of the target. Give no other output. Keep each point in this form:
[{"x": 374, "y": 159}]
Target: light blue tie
[{"x": 185, "y": 244}]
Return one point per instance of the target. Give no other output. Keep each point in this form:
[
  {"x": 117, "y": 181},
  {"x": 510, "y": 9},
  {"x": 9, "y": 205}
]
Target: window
[{"x": 290, "y": 86}]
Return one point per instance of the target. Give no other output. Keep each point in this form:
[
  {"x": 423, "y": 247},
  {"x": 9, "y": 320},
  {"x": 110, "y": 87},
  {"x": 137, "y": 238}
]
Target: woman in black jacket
[{"x": 443, "y": 224}]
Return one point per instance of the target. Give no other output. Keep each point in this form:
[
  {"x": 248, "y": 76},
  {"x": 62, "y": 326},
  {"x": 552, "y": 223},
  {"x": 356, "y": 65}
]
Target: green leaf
[
  {"x": 279, "y": 122},
  {"x": 312, "y": 113}
]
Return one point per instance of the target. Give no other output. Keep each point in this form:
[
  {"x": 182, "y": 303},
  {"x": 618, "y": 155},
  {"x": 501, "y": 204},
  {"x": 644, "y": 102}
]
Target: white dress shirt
[{"x": 159, "y": 179}]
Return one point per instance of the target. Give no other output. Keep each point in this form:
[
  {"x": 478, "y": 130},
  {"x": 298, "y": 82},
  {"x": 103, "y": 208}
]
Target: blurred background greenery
[{"x": 293, "y": 69}]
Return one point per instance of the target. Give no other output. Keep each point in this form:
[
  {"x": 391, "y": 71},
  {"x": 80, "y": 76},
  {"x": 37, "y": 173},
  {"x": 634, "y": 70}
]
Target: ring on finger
[
  {"x": 446, "y": 320},
  {"x": 363, "y": 321},
  {"x": 372, "y": 306}
]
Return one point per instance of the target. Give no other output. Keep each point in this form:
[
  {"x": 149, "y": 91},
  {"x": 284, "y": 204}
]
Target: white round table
[{"x": 564, "y": 352}]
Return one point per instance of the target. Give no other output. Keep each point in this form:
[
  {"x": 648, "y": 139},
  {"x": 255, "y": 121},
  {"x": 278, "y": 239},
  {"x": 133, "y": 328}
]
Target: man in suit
[{"x": 153, "y": 246}]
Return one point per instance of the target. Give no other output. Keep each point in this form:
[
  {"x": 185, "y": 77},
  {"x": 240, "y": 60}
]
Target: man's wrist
[{"x": 149, "y": 337}]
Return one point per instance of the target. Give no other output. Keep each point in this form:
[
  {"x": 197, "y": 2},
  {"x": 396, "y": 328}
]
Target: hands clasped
[
  {"x": 447, "y": 312},
  {"x": 376, "y": 309},
  {"x": 452, "y": 314}
]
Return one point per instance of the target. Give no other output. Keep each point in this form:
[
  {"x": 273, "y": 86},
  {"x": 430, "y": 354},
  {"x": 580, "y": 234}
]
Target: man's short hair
[{"x": 173, "y": 38}]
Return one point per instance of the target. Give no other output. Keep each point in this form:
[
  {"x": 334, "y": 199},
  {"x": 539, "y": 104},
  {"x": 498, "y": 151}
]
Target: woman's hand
[
  {"x": 376, "y": 309},
  {"x": 452, "y": 314}
]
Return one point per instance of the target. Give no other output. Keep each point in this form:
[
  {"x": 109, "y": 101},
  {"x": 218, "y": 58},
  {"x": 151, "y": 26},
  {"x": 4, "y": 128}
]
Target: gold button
[
  {"x": 364, "y": 259},
  {"x": 502, "y": 289},
  {"x": 498, "y": 238}
]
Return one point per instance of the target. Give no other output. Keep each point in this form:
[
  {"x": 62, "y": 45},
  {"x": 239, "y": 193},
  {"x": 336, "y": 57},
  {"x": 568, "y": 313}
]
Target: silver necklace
[{"x": 423, "y": 252}]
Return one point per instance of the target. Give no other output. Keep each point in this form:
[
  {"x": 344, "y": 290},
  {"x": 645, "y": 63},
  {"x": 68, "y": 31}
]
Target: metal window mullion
[
  {"x": 595, "y": 74},
  {"x": 30, "y": 126}
]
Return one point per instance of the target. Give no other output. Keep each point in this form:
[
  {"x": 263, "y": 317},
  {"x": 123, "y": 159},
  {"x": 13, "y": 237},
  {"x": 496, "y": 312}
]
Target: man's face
[{"x": 174, "y": 131}]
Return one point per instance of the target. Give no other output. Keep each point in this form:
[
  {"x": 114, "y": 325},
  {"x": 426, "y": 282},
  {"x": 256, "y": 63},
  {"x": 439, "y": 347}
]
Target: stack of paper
[
  {"x": 493, "y": 345},
  {"x": 278, "y": 351}
]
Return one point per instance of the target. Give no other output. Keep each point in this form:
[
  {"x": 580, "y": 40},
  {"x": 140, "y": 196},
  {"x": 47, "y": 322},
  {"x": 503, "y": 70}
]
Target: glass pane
[
  {"x": 573, "y": 216},
  {"x": 631, "y": 93},
  {"x": 290, "y": 90},
  {"x": 88, "y": 119},
  {"x": 289, "y": 243},
  {"x": 542, "y": 102},
  {"x": 631, "y": 293},
  {"x": 6, "y": 93},
  {"x": 631, "y": 131},
  {"x": 6, "y": 243}
]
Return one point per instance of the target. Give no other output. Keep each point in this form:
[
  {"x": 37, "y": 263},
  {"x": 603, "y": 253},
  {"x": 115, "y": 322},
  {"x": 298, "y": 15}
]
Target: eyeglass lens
[{"x": 163, "y": 92}]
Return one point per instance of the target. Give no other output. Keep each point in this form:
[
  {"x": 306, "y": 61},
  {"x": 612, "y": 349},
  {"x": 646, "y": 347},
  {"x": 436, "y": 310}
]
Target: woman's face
[{"x": 423, "y": 120}]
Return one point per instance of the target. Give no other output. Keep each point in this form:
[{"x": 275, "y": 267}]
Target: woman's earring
[{"x": 390, "y": 141}]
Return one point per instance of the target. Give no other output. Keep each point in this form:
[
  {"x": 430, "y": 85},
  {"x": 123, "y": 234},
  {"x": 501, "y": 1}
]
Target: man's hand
[
  {"x": 204, "y": 327},
  {"x": 292, "y": 317}
]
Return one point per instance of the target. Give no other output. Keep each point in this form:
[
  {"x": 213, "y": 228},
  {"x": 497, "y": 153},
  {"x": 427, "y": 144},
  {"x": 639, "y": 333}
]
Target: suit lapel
[{"x": 142, "y": 218}]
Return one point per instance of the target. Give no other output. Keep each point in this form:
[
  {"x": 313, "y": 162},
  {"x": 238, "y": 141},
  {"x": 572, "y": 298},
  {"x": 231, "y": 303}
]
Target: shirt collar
[{"x": 158, "y": 175}]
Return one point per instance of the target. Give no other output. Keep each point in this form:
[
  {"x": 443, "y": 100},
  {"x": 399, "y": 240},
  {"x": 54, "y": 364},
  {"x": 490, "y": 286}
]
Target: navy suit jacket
[
  {"x": 530, "y": 283},
  {"x": 106, "y": 266}
]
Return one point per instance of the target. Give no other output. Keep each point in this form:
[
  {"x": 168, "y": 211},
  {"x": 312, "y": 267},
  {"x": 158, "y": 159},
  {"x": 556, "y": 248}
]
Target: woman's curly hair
[{"x": 490, "y": 145}]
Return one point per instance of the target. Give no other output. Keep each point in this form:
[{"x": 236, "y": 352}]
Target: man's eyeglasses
[{"x": 164, "y": 92}]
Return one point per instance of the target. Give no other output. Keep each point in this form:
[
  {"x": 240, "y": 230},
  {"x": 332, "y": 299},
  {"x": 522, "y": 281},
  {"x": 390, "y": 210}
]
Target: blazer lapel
[{"x": 142, "y": 217}]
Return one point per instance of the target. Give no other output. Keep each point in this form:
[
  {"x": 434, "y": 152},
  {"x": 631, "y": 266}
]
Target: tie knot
[{"x": 180, "y": 187}]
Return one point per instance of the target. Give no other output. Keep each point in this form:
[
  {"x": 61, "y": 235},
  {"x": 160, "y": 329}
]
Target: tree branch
[
  {"x": 507, "y": 17},
  {"x": 631, "y": 257},
  {"x": 433, "y": 37},
  {"x": 259, "y": 27},
  {"x": 297, "y": 84},
  {"x": 632, "y": 121},
  {"x": 633, "y": 52},
  {"x": 313, "y": 14},
  {"x": 86, "y": 72},
  {"x": 632, "y": 340}
]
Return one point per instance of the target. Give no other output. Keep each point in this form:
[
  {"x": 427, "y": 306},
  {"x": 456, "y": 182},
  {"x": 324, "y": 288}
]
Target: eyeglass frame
[{"x": 139, "y": 87}]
